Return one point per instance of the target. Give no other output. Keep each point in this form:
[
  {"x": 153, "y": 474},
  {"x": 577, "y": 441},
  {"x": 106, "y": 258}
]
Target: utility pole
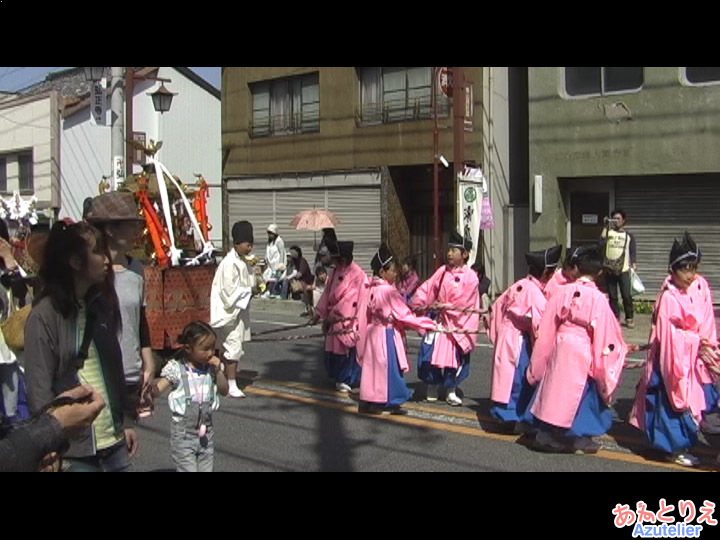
[
  {"x": 117, "y": 129},
  {"x": 458, "y": 130},
  {"x": 436, "y": 181}
]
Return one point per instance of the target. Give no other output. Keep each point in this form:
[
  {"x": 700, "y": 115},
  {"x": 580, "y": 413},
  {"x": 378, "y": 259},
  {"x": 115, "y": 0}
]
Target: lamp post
[{"x": 122, "y": 97}]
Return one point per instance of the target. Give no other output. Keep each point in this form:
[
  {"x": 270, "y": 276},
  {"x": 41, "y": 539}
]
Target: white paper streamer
[{"x": 160, "y": 171}]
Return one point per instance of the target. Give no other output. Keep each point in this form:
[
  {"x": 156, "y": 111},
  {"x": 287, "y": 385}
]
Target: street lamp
[
  {"x": 94, "y": 74},
  {"x": 162, "y": 99}
]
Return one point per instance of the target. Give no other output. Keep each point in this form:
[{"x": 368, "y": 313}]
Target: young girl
[
  {"x": 196, "y": 378},
  {"x": 562, "y": 276},
  {"x": 383, "y": 317},
  {"x": 676, "y": 388},
  {"x": 513, "y": 330},
  {"x": 71, "y": 338},
  {"x": 409, "y": 280},
  {"x": 577, "y": 360},
  {"x": 445, "y": 358},
  {"x": 338, "y": 306}
]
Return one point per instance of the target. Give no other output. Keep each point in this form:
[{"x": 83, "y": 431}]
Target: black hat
[
  {"x": 547, "y": 258},
  {"x": 684, "y": 252},
  {"x": 456, "y": 240},
  {"x": 332, "y": 248},
  {"x": 345, "y": 250},
  {"x": 381, "y": 258},
  {"x": 242, "y": 231}
]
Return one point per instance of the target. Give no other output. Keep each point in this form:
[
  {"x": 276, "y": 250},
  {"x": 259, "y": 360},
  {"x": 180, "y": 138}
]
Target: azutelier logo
[{"x": 648, "y": 524}]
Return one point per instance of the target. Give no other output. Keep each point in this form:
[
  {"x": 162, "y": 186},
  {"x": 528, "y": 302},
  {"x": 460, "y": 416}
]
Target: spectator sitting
[
  {"x": 321, "y": 276},
  {"x": 300, "y": 278}
]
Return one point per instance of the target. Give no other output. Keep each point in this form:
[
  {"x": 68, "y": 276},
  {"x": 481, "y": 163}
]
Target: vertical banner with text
[
  {"x": 472, "y": 185},
  {"x": 97, "y": 103}
]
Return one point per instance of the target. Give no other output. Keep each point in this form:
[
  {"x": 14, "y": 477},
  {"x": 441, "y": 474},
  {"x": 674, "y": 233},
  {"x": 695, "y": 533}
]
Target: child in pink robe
[
  {"x": 383, "y": 317},
  {"x": 577, "y": 362},
  {"x": 445, "y": 357},
  {"x": 562, "y": 276},
  {"x": 338, "y": 307},
  {"x": 676, "y": 387},
  {"x": 514, "y": 327}
]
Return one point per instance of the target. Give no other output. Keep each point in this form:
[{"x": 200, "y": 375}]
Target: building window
[
  {"x": 285, "y": 106},
  {"x": 3, "y": 174},
  {"x": 397, "y": 94},
  {"x": 600, "y": 81},
  {"x": 25, "y": 172},
  {"x": 702, "y": 75}
]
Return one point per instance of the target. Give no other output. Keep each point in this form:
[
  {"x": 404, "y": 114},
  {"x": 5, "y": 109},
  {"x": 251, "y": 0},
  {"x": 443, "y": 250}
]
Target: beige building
[
  {"x": 30, "y": 148},
  {"x": 357, "y": 141}
]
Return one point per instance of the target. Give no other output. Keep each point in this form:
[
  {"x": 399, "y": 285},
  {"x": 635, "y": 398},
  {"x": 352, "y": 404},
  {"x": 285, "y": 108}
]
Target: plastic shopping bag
[{"x": 636, "y": 285}]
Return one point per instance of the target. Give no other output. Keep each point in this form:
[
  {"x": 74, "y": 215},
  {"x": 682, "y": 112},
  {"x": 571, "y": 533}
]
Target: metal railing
[
  {"x": 401, "y": 110},
  {"x": 278, "y": 125}
]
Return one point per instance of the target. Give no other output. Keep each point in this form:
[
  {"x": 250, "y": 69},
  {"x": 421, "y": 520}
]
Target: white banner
[
  {"x": 118, "y": 175},
  {"x": 472, "y": 185},
  {"x": 97, "y": 103}
]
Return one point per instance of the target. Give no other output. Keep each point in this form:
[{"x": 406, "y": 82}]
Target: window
[
  {"x": 397, "y": 94},
  {"x": 3, "y": 174},
  {"x": 702, "y": 75},
  {"x": 25, "y": 172},
  {"x": 599, "y": 81},
  {"x": 285, "y": 106}
]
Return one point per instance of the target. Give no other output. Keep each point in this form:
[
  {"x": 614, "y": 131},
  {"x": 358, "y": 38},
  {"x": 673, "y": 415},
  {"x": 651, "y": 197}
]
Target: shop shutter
[
  {"x": 359, "y": 211},
  {"x": 660, "y": 209},
  {"x": 253, "y": 206}
]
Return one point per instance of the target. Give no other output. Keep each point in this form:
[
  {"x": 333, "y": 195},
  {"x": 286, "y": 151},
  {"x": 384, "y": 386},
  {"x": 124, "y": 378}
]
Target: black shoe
[
  {"x": 398, "y": 411},
  {"x": 369, "y": 408}
]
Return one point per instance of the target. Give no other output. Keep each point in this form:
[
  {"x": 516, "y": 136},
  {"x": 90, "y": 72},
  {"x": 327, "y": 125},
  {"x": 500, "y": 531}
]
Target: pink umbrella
[{"x": 314, "y": 220}]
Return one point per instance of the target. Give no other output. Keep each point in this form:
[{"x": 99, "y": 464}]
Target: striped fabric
[{"x": 92, "y": 375}]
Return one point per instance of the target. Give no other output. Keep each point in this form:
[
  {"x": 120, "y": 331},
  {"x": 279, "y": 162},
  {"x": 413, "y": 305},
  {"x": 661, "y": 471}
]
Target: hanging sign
[{"x": 97, "y": 103}]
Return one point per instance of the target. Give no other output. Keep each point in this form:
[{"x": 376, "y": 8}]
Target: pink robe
[
  {"x": 557, "y": 280},
  {"x": 382, "y": 307},
  {"x": 458, "y": 287},
  {"x": 339, "y": 300},
  {"x": 680, "y": 320},
  {"x": 578, "y": 338},
  {"x": 516, "y": 312}
]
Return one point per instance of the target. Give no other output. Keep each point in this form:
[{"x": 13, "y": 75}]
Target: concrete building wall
[{"x": 667, "y": 127}]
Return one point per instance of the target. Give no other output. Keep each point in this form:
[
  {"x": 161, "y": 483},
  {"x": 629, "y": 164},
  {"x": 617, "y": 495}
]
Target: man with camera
[{"x": 619, "y": 251}]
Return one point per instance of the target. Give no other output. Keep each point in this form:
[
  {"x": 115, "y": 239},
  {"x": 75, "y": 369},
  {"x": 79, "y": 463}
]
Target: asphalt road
[{"x": 293, "y": 420}]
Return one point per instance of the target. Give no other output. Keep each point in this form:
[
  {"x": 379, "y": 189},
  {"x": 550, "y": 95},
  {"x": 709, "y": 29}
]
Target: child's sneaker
[
  {"x": 684, "y": 458},
  {"x": 431, "y": 393},
  {"x": 453, "y": 400},
  {"x": 342, "y": 387}
]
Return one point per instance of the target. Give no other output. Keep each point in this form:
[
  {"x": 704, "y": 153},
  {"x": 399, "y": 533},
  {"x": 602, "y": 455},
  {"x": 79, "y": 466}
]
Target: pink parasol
[{"x": 314, "y": 220}]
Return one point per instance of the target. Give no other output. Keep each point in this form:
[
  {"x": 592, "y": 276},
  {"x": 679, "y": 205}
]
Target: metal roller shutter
[
  {"x": 660, "y": 209},
  {"x": 255, "y": 207},
  {"x": 359, "y": 210}
]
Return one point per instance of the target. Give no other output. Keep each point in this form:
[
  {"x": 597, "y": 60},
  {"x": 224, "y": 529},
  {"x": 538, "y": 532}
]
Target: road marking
[{"x": 351, "y": 408}]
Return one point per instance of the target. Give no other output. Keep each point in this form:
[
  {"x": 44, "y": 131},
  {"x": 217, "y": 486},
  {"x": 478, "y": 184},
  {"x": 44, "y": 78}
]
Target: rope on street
[
  {"x": 300, "y": 337},
  {"x": 433, "y": 307},
  {"x": 287, "y": 328}
]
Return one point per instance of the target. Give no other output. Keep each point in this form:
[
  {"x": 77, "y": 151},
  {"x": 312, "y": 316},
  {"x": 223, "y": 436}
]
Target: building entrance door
[{"x": 587, "y": 211}]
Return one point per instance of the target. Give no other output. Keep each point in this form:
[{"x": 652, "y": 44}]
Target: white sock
[{"x": 232, "y": 384}]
